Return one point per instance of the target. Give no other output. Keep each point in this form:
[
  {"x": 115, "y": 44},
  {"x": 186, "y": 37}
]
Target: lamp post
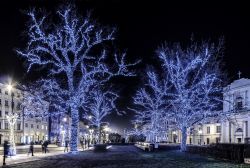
[
  {"x": 91, "y": 135},
  {"x": 63, "y": 136},
  {"x": 64, "y": 131},
  {"x": 106, "y": 129},
  {"x": 200, "y": 132},
  {"x": 12, "y": 117},
  {"x": 174, "y": 136}
]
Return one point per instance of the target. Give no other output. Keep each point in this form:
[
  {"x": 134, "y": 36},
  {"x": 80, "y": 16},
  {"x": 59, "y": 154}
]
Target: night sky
[{"x": 142, "y": 27}]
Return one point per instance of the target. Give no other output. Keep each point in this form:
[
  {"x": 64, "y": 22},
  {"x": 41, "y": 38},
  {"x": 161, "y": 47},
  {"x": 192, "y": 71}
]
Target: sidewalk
[
  {"x": 35, "y": 146},
  {"x": 22, "y": 158}
]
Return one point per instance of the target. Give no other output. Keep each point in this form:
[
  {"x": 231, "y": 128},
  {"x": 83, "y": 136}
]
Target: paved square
[{"x": 127, "y": 157}]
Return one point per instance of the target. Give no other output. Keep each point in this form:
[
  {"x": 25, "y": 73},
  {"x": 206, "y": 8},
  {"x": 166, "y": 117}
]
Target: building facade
[
  {"x": 27, "y": 129},
  {"x": 235, "y": 127}
]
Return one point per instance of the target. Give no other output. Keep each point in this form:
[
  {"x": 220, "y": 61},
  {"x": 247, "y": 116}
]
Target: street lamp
[
  {"x": 174, "y": 136},
  {"x": 106, "y": 129},
  {"x": 91, "y": 135},
  {"x": 12, "y": 117},
  {"x": 200, "y": 132},
  {"x": 63, "y": 135},
  {"x": 64, "y": 130}
]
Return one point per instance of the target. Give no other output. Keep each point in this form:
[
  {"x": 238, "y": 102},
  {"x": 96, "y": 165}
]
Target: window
[
  {"x": 0, "y": 125},
  {"x": 37, "y": 126},
  {"x": 42, "y": 126},
  {"x": 218, "y": 129},
  {"x": 6, "y": 103},
  {"x": 0, "y": 113},
  {"x": 0, "y": 101},
  {"x": 239, "y": 104},
  {"x": 6, "y": 113},
  {"x": 6, "y": 125},
  {"x": 6, "y": 92},
  {"x": 31, "y": 125},
  {"x": 18, "y": 126},
  {"x": 208, "y": 130},
  {"x": 46, "y": 127},
  {"x": 26, "y": 125},
  {"x": 18, "y": 107}
]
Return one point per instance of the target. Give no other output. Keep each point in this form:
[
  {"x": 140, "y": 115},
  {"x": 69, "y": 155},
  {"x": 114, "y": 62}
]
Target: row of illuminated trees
[{"x": 79, "y": 59}]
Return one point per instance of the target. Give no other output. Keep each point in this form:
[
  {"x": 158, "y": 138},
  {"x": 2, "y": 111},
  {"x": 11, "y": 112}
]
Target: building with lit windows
[
  {"x": 27, "y": 129},
  {"x": 235, "y": 129}
]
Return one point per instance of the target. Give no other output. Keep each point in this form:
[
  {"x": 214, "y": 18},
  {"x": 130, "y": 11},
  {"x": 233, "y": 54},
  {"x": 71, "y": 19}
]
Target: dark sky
[{"x": 142, "y": 26}]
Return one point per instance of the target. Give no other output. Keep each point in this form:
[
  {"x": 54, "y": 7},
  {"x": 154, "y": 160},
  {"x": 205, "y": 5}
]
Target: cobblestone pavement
[{"x": 127, "y": 157}]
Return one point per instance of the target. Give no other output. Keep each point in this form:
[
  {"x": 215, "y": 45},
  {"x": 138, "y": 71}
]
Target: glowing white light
[{"x": 9, "y": 87}]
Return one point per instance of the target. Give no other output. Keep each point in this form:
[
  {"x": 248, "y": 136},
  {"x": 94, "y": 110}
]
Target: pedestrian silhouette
[
  {"x": 31, "y": 148},
  {"x": 66, "y": 145},
  {"x": 45, "y": 146}
]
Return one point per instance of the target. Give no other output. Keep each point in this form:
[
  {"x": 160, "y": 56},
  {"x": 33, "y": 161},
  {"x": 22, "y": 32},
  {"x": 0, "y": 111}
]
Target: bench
[{"x": 144, "y": 146}]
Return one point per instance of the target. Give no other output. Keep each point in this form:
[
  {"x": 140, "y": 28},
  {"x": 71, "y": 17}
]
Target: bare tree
[
  {"x": 73, "y": 51},
  {"x": 101, "y": 104},
  {"x": 150, "y": 104},
  {"x": 195, "y": 78}
]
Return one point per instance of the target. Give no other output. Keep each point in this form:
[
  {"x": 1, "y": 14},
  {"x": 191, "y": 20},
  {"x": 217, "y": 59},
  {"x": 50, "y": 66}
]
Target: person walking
[
  {"x": 42, "y": 144},
  {"x": 6, "y": 151},
  {"x": 45, "y": 145},
  {"x": 66, "y": 145},
  {"x": 31, "y": 148},
  {"x": 85, "y": 143}
]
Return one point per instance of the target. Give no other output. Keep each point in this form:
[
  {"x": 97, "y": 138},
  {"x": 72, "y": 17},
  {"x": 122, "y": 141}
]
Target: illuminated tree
[
  {"x": 101, "y": 103},
  {"x": 150, "y": 104},
  {"x": 73, "y": 51},
  {"x": 196, "y": 86},
  {"x": 33, "y": 103}
]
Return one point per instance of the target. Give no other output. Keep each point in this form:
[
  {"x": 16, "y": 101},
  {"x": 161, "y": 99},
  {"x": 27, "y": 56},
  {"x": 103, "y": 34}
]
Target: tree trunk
[
  {"x": 74, "y": 129},
  {"x": 99, "y": 135},
  {"x": 184, "y": 139}
]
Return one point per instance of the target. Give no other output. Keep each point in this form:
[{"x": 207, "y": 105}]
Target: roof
[{"x": 238, "y": 83}]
